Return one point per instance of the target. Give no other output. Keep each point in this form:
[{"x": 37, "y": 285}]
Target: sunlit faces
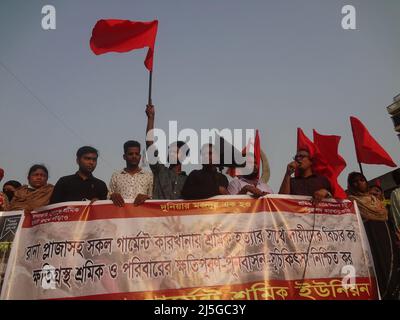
[
  {"x": 132, "y": 156},
  {"x": 360, "y": 184},
  {"x": 87, "y": 162},
  {"x": 303, "y": 160},
  {"x": 38, "y": 178}
]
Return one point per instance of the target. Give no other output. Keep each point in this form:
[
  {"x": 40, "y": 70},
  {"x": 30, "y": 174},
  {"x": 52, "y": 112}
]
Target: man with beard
[
  {"x": 131, "y": 182},
  {"x": 82, "y": 185},
  {"x": 305, "y": 183},
  {"x": 250, "y": 183}
]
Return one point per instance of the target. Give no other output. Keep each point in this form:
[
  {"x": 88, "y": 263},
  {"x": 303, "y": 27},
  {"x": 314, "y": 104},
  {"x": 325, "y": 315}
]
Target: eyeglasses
[{"x": 299, "y": 157}]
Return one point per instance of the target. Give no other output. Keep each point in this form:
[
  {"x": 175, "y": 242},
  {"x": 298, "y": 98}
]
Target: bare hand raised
[
  {"x": 291, "y": 168},
  {"x": 150, "y": 111}
]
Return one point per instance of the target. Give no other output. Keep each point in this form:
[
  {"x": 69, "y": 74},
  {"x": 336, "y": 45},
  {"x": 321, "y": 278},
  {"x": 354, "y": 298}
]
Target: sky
[{"x": 270, "y": 65}]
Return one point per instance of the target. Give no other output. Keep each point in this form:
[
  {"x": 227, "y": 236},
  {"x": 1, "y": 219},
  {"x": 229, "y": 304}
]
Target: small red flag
[
  {"x": 114, "y": 35},
  {"x": 304, "y": 143},
  {"x": 322, "y": 165},
  {"x": 368, "y": 150},
  {"x": 257, "y": 154},
  {"x": 328, "y": 146}
]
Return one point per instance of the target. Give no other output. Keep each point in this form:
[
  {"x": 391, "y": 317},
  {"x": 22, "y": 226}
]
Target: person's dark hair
[
  {"x": 179, "y": 144},
  {"x": 13, "y": 183},
  {"x": 131, "y": 144},
  {"x": 38, "y": 167},
  {"x": 352, "y": 177},
  {"x": 85, "y": 150},
  {"x": 396, "y": 176},
  {"x": 305, "y": 150}
]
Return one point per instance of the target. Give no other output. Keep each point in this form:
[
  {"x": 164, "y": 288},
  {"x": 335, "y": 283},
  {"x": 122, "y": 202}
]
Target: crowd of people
[{"x": 169, "y": 181}]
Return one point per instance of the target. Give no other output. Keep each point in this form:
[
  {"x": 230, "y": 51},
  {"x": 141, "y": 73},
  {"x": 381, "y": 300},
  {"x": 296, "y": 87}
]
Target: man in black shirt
[
  {"x": 207, "y": 182},
  {"x": 82, "y": 185}
]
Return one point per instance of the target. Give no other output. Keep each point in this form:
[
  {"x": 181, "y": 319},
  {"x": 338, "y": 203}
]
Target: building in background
[
  {"x": 394, "y": 111},
  {"x": 386, "y": 181}
]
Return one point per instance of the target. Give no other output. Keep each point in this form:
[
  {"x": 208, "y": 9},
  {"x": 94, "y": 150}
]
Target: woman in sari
[
  {"x": 34, "y": 195},
  {"x": 380, "y": 235}
]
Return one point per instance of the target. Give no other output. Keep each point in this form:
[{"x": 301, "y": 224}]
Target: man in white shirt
[
  {"x": 131, "y": 182},
  {"x": 249, "y": 184}
]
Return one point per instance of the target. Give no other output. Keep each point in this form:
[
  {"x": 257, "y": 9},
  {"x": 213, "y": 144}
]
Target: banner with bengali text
[{"x": 227, "y": 247}]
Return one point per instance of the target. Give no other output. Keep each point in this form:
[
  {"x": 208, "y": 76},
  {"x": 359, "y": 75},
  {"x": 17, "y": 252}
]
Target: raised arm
[
  {"x": 150, "y": 125},
  {"x": 285, "y": 186}
]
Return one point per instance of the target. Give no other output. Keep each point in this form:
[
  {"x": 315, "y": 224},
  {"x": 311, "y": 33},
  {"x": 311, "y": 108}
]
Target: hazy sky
[{"x": 271, "y": 65}]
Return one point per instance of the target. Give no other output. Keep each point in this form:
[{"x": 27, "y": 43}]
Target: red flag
[
  {"x": 123, "y": 35},
  {"x": 322, "y": 165},
  {"x": 303, "y": 143},
  {"x": 257, "y": 154},
  {"x": 368, "y": 150},
  {"x": 327, "y": 146}
]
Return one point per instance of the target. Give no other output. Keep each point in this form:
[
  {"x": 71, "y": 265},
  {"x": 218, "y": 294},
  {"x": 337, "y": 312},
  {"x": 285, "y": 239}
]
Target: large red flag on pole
[
  {"x": 368, "y": 150},
  {"x": 113, "y": 35}
]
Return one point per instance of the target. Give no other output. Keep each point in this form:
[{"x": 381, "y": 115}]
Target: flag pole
[
  {"x": 361, "y": 169},
  {"x": 150, "y": 84}
]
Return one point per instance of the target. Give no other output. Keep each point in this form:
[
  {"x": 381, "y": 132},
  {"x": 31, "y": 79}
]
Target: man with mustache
[
  {"x": 131, "y": 182},
  {"x": 305, "y": 183}
]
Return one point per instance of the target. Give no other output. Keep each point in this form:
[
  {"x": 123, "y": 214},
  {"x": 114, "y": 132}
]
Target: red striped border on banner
[
  {"x": 152, "y": 209},
  {"x": 309, "y": 289}
]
